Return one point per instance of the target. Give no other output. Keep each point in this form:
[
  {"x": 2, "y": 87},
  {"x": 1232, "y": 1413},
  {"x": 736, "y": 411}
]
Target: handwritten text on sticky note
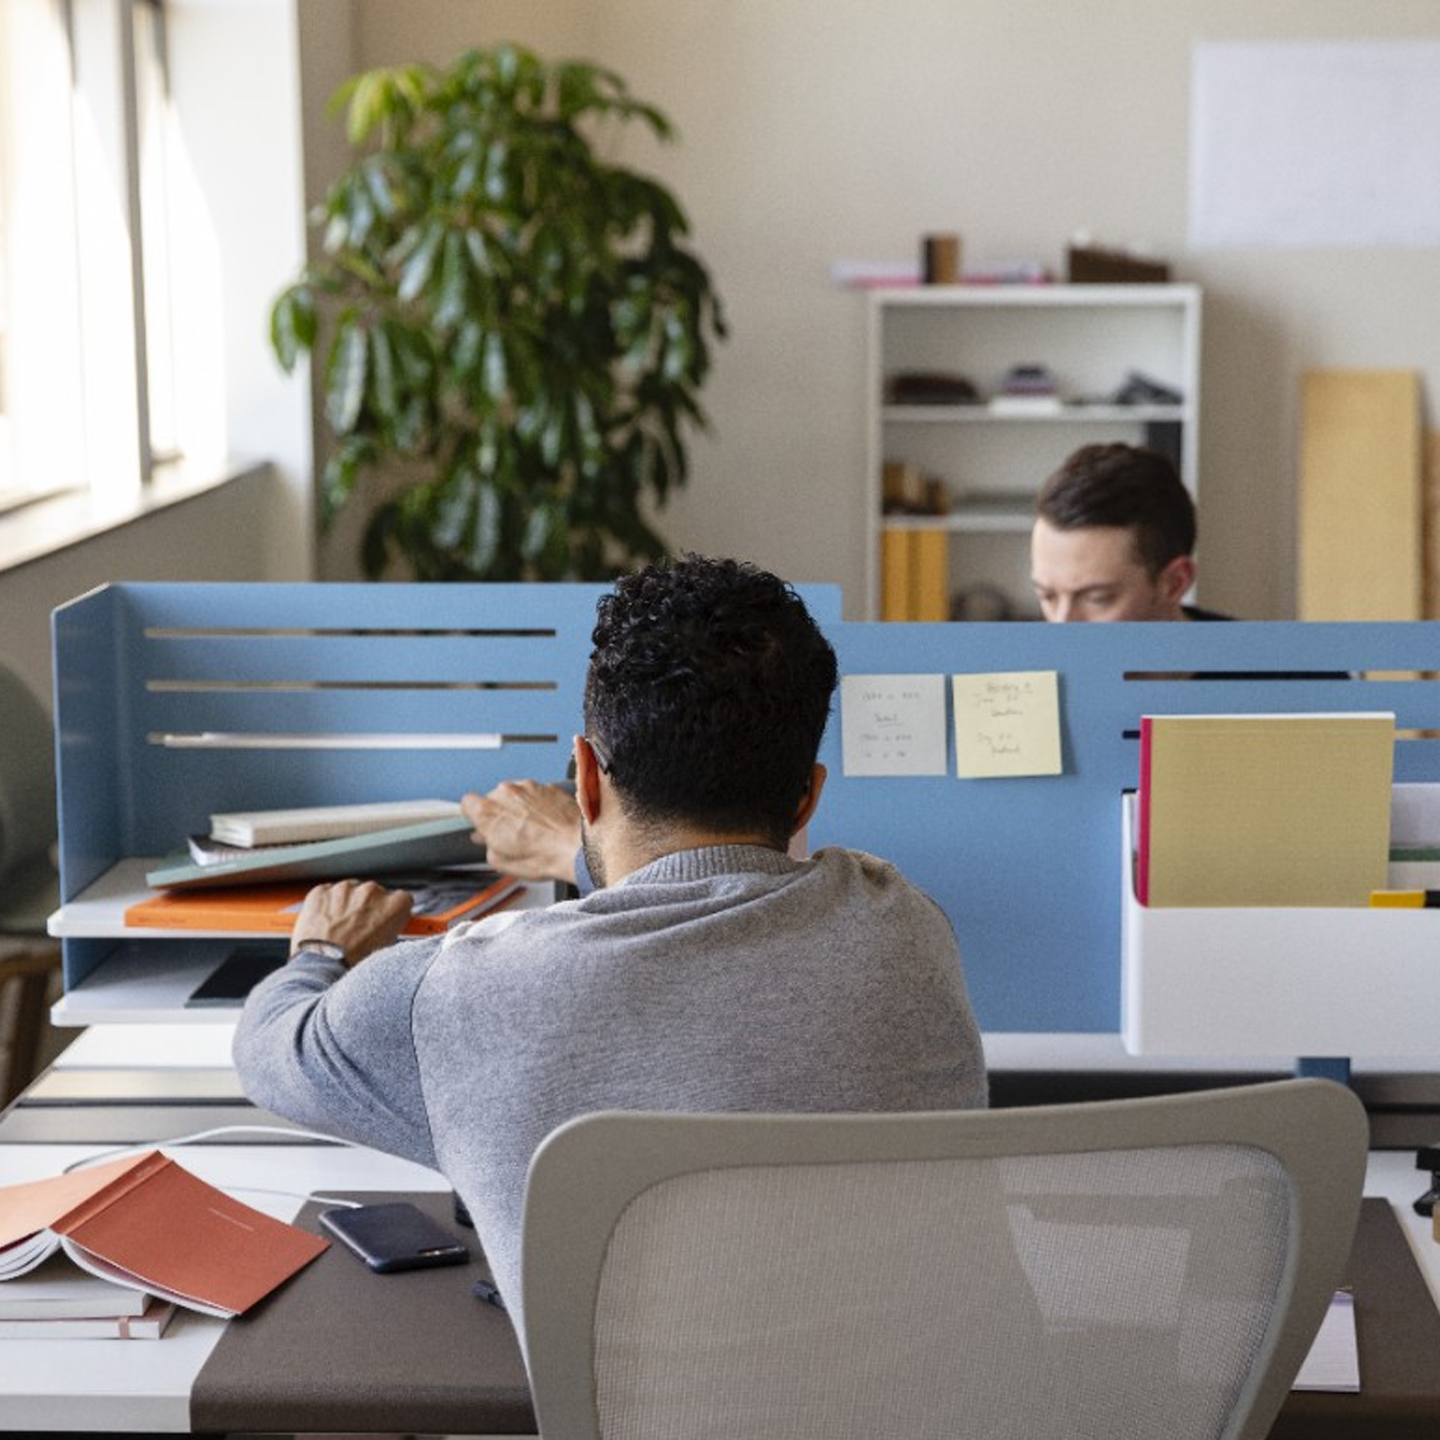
[
  {"x": 1007, "y": 724},
  {"x": 892, "y": 724}
]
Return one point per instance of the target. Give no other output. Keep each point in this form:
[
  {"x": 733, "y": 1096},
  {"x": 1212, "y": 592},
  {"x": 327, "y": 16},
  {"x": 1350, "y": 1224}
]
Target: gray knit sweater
[{"x": 725, "y": 978}]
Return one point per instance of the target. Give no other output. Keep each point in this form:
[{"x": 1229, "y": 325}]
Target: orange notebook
[
  {"x": 148, "y": 1223},
  {"x": 270, "y": 909}
]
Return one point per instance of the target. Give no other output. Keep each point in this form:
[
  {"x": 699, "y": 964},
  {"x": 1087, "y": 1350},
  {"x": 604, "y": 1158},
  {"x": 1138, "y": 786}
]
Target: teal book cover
[{"x": 429, "y": 845}]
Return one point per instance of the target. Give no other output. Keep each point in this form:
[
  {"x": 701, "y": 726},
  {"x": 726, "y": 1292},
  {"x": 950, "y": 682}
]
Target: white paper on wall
[{"x": 1315, "y": 143}]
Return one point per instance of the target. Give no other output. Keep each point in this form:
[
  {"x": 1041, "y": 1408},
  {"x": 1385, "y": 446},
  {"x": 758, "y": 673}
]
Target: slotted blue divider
[
  {"x": 1026, "y": 868},
  {"x": 164, "y": 691}
]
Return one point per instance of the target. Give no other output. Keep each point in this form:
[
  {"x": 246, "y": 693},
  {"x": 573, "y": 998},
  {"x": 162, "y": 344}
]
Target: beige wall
[
  {"x": 238, "y": 187},
  {"x": 222, "y": 534},
  {"x": 813, "y": 130}
]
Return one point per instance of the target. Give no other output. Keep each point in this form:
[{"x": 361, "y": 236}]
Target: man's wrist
[{"x": 327, "y": 948}]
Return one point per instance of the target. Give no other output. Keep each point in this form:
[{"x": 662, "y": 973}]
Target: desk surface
[{"x": 151, "y": 1386}]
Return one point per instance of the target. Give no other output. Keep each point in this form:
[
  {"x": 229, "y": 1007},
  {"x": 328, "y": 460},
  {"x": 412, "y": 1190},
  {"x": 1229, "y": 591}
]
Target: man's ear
[
  {"x": 1176, "y": 578},
  {"x": 809, "y": 800},
  {"x": 587, "y": 780}
]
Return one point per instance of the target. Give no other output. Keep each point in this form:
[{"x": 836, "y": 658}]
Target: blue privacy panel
[
  {"x": 1029, "y": 870},
  {"x": 176, "y": 700},
  {"x": 173, "y": 701}
]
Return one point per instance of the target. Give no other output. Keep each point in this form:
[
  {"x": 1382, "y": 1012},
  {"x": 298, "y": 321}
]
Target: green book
[{"x": 429, "y": 845}]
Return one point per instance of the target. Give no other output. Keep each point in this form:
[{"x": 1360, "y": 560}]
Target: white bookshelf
[{"x": 994, "y": 458}]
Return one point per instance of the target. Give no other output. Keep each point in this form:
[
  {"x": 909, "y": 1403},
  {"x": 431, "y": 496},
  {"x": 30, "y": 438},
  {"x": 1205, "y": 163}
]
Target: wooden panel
[
  {"x": 1431, "y": 531},
  {"x": 1360, "y": 497}
]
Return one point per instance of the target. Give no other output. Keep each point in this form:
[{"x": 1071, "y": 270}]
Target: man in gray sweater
[{"x": 707, "y": 971}]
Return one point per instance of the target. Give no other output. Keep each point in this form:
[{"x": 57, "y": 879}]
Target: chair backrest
[{"x": 1153, "y": 1267}]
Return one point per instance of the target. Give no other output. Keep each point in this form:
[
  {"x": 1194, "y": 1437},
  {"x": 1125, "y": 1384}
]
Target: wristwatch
[{"x": 328, "y": 948}]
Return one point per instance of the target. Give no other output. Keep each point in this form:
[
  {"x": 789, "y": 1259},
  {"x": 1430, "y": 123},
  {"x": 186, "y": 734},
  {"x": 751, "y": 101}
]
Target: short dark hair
[
  {"x": 707, "y": 695},
  {"x": 1128, "y": 487}
]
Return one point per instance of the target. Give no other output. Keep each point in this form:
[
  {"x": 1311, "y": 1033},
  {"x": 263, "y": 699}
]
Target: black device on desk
[
  {"x": 394, "y": 1236},
  {"x": 242, "y": 969}
]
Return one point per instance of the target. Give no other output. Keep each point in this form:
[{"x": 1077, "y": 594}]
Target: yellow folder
[
  {"x": 915, "y": 574},
  {"x": 1272, "y": 810}
]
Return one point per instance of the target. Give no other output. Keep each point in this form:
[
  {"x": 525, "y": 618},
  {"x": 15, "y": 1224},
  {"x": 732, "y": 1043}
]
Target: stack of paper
[{"x": 1271, "y": 810}]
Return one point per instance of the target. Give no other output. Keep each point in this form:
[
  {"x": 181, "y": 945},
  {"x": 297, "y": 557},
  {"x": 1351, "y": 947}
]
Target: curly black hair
[
  {"x": 708, "y": 692},
  {"x": 1128, "y": 487}
]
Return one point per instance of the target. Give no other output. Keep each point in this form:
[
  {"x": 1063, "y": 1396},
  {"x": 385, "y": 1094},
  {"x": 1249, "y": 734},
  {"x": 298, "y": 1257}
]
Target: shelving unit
[
  {"x": 149, "y": 973},
  {"x": 993, "y": 458},
  {"x": 173, "y": 701}
]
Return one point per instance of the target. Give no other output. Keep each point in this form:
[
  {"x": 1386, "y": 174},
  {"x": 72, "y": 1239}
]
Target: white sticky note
[
  {"x": 1007, "y": 724},
  {"x": 892, "y": 724}
]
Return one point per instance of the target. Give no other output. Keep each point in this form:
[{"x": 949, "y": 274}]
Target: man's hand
[
  {"x": 528, "y": 829},
  {"x": 357, "y": 915}
]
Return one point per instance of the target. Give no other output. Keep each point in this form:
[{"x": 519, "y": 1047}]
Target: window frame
[{"x": 77, "y": 429}]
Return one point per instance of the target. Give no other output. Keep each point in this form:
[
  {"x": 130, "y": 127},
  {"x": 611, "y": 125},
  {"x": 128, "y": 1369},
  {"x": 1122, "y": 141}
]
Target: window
[{"x": 87, "y": 372}]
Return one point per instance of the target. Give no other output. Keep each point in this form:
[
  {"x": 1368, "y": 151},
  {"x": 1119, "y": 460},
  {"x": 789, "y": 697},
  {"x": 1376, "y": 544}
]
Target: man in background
[
  {"x": 708, "y": 971},
  {"x": 1114, "y": 537}
]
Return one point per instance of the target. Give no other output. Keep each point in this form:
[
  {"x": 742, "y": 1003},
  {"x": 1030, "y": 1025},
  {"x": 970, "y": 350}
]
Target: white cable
[{"x": 200, "y": 1135}]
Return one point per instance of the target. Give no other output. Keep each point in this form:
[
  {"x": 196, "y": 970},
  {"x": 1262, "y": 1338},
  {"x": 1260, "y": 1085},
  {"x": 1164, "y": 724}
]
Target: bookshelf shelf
[
  {"x": 1067, "y": 414},
  {"x": 998, "y": 516},
  {"x": 1091, "y": 338}
]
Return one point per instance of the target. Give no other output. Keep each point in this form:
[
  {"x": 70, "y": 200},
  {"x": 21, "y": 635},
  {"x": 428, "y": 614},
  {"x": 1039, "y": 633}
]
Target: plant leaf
[
  {"x": 345, "y": 377},
  {"x": 292, "y": 325},
  {"x": 415, "y": 273}
]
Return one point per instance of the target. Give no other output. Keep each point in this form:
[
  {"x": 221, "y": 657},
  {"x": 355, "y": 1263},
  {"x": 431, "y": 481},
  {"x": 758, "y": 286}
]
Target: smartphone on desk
[{"x": 394, "y": 1236}]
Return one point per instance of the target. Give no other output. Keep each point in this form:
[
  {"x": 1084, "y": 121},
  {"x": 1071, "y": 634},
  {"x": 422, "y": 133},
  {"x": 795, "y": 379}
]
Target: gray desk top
[{"x": 341, "y": 1348}]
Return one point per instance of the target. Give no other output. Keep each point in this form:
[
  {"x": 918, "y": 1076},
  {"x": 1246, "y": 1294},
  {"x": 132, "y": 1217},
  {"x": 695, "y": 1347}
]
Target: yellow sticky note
[{"x": 1007, "y": 724}]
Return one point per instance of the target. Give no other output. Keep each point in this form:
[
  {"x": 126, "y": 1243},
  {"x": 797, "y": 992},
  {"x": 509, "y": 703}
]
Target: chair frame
[
  {"x": 586, "y": 1172},
  {"x": 27, "y": 974}
]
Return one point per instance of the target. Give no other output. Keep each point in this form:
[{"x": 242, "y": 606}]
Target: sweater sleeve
[{"x": 332, "y": 1049}]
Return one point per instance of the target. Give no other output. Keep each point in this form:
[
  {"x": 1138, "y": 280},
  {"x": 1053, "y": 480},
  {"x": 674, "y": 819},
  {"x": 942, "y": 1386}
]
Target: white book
[
  {"x": 58, "y": 1288},
  {"x": 1026, "y": 405},
  {"x": 324, "y": 822},
  {"x": 150, "y": 1325}
]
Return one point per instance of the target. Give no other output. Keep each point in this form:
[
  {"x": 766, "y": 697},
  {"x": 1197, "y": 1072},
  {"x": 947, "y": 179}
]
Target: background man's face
[{"x": 1093, "y": 573}]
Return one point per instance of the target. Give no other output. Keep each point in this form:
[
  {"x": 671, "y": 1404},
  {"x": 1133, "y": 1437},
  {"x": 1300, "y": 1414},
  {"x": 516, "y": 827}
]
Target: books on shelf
[
  {"x": 144, "y": 1222},
  {"x": 1263, "y": 810},
  {"x": 437, "y": 903},
  {"x": 425, "y": 845},
  {"x": 324, "y": 822},
  {"x": 915, "y": 573}
]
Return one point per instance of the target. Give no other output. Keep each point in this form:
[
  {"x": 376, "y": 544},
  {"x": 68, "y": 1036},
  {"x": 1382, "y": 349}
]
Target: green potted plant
[{"x": 510, "y": 323}]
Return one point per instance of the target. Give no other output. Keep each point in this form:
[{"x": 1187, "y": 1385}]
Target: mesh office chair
[
  {"x": 1149, "y": 1268},
  {"x": 29, "y": 883}
]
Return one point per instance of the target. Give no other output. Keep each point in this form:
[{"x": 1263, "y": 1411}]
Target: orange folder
[{"x": 271, "y": 909}]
